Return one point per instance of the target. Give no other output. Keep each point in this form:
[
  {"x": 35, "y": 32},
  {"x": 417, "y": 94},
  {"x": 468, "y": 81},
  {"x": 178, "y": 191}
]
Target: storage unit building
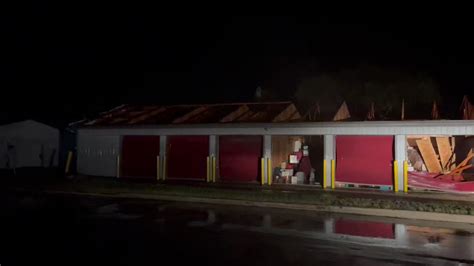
[
  {"x": 130, "y": 141},
  {"x": 236, "y": 140}
]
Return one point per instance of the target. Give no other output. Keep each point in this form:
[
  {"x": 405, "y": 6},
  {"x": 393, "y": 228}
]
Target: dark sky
[{"x": 92, "y": 57}]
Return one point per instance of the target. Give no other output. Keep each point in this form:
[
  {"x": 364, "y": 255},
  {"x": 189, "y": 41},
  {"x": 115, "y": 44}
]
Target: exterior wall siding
[{"x": 97, "y": 155}]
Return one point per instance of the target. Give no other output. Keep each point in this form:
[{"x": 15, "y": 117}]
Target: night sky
[{"x": 61, "y": 63}]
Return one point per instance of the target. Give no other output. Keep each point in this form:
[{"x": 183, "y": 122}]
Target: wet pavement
[{"x": 76, "y": 230}]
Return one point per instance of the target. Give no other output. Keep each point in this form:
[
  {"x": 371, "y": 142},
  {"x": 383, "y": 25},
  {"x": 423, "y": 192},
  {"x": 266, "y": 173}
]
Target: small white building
[{"x": 28, "y": 144}]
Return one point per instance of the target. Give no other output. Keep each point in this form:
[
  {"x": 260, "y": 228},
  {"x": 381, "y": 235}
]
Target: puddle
[
  {"x": 113, "y": 211},
  {"x": 108, "y": 209}
]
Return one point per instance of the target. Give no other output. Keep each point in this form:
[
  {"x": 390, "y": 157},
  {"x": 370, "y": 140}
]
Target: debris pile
[
  {"x": 432, "y": 164},
  {"x": 293, "y": 165}
]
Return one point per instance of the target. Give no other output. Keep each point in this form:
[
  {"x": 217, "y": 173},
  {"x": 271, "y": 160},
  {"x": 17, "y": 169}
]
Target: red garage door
[
  {"x": 139, "y": 156},
  {"x": 364, "y": 159},
  {"x": 187, "y": 157},
  {"x": 239, "y": 158}
]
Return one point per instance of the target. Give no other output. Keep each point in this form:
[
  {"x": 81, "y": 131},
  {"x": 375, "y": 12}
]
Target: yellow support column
[
  {"x": 213, "y": 169},
  {"x": 324, "y": 173},
  {"x": 158, "y": 168},
  {"x": 207, "y": 170},
  {"x": 68, "y": 162},
  {"x": 269, "y": 171},
  {"x": 395, "y": 176},
  {"x": 405, "y": 176},
  {"x": 262, "y": 174},
  {"x": 333, "y": 174}
]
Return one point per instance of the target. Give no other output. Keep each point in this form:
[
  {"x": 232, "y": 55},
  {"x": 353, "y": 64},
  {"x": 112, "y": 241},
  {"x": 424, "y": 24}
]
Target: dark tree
[{"x": 365, "y": 85}]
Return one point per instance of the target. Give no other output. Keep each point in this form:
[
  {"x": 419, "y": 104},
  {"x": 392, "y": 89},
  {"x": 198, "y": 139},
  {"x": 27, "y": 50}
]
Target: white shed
[{"x": 28, "y": 144}]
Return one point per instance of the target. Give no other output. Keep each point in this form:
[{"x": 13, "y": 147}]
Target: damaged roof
[{"x": 129, "y": 115}]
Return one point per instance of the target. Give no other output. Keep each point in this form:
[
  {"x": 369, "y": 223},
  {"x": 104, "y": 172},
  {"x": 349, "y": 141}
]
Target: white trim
[{"x": 448, "y": 127}]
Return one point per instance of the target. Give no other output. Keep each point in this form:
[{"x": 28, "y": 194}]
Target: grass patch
[{"x": 250, "y": 193}]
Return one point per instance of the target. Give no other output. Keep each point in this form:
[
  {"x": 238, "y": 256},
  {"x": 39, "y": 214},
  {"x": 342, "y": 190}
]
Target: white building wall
[
  {"x": 35, "y": 145},
  {"x": 97, "y": 155}
]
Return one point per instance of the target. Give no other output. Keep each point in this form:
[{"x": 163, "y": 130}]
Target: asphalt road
[{"x": 72, "y": 230}]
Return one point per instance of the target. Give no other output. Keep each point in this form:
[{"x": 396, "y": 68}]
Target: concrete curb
[{"x": 401, "y": 214}]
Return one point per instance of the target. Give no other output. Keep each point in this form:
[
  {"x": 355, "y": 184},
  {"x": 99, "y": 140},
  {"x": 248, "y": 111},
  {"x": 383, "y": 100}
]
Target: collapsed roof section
[{"x": 129, "y": 115}]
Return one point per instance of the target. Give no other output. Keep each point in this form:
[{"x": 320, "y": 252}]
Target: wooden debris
[
  {"x": 467, "y": 109},
  {"x": 458, "y": 171},
  {"x": 411, "y": 140},
  {"x": 463, "y": 165},
  {"x": 452, "y": 163},
  {"x": 235, "y": 114},
  {"x": 313, "y": 113},
  {"x": 429, "y": 156},
  {"x": 342, "y": 113},
  {"x": 189, "y": 114},
  {"x": 145, "y": 116},
  {"x": 434, "y": 111},
  {"x": 445, "y": 152},
  {"x": 287, "y": 114},
  {"x": 469, "y": 156}
]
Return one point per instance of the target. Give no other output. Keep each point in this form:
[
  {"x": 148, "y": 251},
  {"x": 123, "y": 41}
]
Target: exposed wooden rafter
[
  {"x": 235, "y": 114},
  {"x": 287, "y": 114},
  {"x": 147, "y": 115},
  {"x": 189, "y": 114}
]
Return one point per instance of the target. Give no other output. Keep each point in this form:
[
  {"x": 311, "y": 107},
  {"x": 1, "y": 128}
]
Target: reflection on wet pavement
[
  {"x": 267, "y": 236},
  {"x": 439, "y": 242},
  {"x": 364, "y": 228}
]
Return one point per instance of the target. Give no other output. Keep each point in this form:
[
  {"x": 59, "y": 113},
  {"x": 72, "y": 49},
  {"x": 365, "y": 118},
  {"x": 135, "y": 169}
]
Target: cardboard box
[
  {"x": 287, "y": 172},
  {"x": 293, "y": 158},
  {"x": 294, "y": 180}
]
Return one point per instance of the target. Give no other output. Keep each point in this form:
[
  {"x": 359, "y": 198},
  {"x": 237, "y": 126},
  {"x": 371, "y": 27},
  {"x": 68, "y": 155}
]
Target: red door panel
[
  {"x": 139, "y": 156},
  {"x": 239, "y": 158},
  {"x": 187, "y": 157},
  {"x": 364, "y": 159}
]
